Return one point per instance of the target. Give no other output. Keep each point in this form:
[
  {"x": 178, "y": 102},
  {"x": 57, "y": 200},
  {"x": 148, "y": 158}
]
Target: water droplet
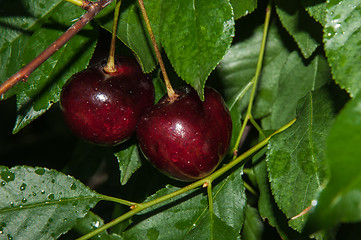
[
  {"x": 51, "y": 196},
  {"x": 42, "y": 192},
  {"x": 7, "y": 176},
  {"x": 23, "y": 187},
  {"x": 34, "y": 194},
  {"x": 50, "y": 220},
  {"x": 12, "y": 204},
  {"x": 40, "y": 171},
  {"x": 3, "y": 183},
  {"x": 2, "y": 226},
  {"x": 10, "y": 237},
  {"x": 73, "y": 186},
  {"x": 24, "y": 200},
  {"x": 53, "y": 180}
]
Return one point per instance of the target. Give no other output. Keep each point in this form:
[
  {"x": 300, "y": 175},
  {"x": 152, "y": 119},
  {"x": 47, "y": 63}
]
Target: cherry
[
  {"x": 103, "y": 108},
  {"x": 186, "y": 138}
]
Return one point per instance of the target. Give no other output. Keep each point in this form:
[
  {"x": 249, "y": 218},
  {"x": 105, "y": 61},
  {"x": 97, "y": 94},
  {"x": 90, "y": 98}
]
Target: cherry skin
[
  {"x": 186, "y": 138},
  {"x": 103, "y": 108}
]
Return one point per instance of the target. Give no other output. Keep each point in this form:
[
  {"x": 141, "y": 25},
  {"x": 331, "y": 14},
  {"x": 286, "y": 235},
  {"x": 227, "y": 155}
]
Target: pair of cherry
[{"x": 185, "y": 138}]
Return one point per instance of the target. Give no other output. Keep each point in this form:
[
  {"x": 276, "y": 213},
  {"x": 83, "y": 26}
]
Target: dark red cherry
[
  {"x": 186, "y": 139},
  {"x": 104, "y": 108}
]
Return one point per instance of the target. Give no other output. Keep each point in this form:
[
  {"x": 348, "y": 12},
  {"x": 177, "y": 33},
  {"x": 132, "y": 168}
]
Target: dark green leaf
[
  {"x": 342, "y": 38},
  {"x": 132, "y": 33},
  {"x": 129, "y": 161},
  {"x": 91, "y": 222},
  {"x": 236, "y": 123},
  {"x": 212, "y": 228},
  {"x": 296, "y": 74},
  {"x": 195, "y": 36},
  {"x": 243, "y": 7},
  {"x": 267, "y": 207},
  {"x": 43, "y": 87},
  {"x": 37, "y": 203},
  {"x": 316, "y": 9},
  {"x": 178, "y": 217},
  {"x": 303, "y": 28},
  {"x": 296, "y": 157},
  {"x": 253, "y": 225},
  {"x": 18, "y": 20},
  {"x": 239, "y": 66},
  {"x": 340, "y": 201}
]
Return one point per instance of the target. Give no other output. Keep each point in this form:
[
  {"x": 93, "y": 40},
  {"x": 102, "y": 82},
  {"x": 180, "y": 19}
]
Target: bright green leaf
[
  {"x": 340, "y": 201},
  {"x": 303, "y": 28},
  {"x": 129, "y": 161},
  {"x": 37, "y": 203},
  {"x": 180, "y": 216},
  {"x": 243, "y": 7},
  {"x": 296, "y": 157},
  {"x": 195, "y": 36},
  {"x": 342, "y": 38}
]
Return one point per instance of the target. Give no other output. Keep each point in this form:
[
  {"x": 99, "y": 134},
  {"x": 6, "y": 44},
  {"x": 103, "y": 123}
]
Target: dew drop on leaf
[
  {"x": 24, "y": 200},
  {"x": 23, "y": 187},
  {"x": 51, "y": 196},
  {"x": 3, "y": 183},
  {"x": 73, "y": 186},
  {"x": 42, "y": 192},
  {"x": 40, "y": 171},
  {"x": 53, "y": 180},
  {"x": 10, "y": 237},
  {"x": 7, "y": 176}
]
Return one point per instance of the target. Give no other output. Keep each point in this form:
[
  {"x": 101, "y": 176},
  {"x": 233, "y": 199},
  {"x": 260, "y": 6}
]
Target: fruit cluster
[{"x": 184, "y": 138}]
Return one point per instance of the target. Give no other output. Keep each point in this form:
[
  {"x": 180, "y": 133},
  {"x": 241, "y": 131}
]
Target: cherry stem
[
  {"x": 206, "y": 182},
  {"x": 171, "y": 94},
  {"x": 255, "y": 79},
  {"x": 22, "y": 75},
  {"x": 110, "y": 67}
]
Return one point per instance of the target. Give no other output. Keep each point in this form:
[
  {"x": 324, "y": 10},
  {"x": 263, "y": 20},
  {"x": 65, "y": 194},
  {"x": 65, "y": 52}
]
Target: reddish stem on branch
[{"x": 23, "y": 74}]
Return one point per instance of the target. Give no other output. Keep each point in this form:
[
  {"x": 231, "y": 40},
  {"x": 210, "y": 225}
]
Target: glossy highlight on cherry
[
  {"x": 104, "y": 108},
  {"x": 186, "y": 139}
]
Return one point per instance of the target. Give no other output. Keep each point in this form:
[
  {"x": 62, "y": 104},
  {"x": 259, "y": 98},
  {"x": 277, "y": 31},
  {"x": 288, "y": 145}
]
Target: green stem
[
  {"x": 210, "y": 204},
  {"x": 117, "y": 200},
  {"x": 257, "y": 74},
  {"x": 141, "y": 206},
  {"x": 250, "y": 188},
  {"x": 110, "y": 67},
  {"x": 79, "y": 3}
]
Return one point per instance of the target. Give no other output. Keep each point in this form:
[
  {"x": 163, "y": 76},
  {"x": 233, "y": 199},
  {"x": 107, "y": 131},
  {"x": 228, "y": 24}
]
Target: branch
[{"x": 93, "y": 8}]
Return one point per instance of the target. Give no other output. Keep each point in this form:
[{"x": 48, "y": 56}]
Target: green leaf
[
  {"x": 303, "y": 28},
  {"x": 180, "y": 216},
  {"x": 236, "y": 123},
  {"x": 129, "y": 161},
  {"x": 283, "y": 71},
  {"x": 296, "y": 74},
  {"x": 44, "y": 85},
  {"x": 196, "y": 35},
  {"x": 91, "y": 222},
  {"x": 212, "y": 228},
  {"x": 267, "y": 207},
  {"x": 340, "y": 201},
  {"x": 253, "y": 225},
  {"x": 18, "y": 20},
  {"x": 296, "y": 157},
  {"x": 132, "y": 33},
  {"x": 342, "y": 36},
  {"x": 238, "y": 68},
  {"x": 38, "y": 203},
  {"x": 243, "y": 7},
  {"x": 316, "y": 9}
]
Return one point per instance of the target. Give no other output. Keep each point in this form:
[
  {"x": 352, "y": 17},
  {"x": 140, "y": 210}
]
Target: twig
[
  {"x": 171, "y": 94},
  {"x": 23, "y": 74}
]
